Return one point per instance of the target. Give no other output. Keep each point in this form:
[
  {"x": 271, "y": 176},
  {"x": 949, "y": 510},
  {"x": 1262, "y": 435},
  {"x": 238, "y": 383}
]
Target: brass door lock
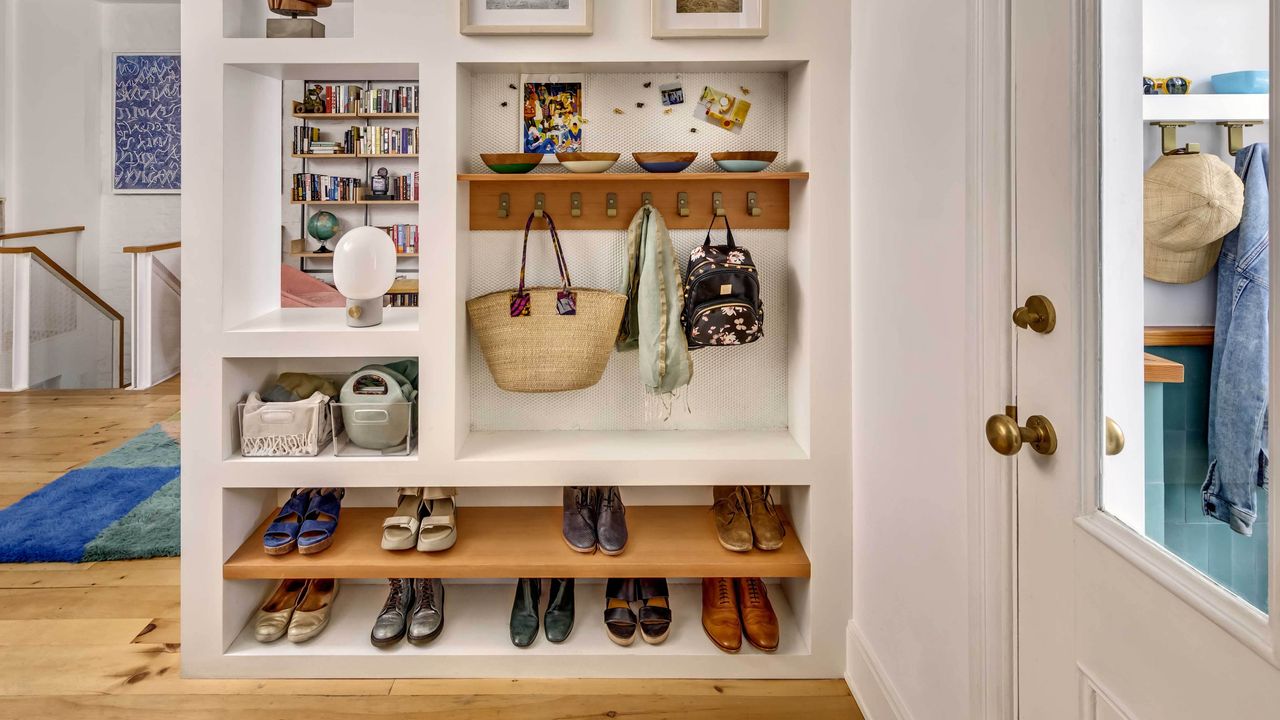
[
  {"x": 1037, "y": 314},
  {"x": 1007, "y": 437}
]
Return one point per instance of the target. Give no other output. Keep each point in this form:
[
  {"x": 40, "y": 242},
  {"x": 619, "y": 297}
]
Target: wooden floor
[{"x": 100, "y": 640}]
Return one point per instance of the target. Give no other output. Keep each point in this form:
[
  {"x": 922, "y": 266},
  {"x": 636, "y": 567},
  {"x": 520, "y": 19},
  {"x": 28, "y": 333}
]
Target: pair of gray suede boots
[{"x": 594, "y": 517}]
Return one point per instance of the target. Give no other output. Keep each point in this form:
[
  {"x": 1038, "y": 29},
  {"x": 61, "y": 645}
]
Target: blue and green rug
[{"x": 120, "y": 506}]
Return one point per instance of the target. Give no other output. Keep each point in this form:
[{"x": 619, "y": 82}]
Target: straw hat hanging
[{"x": 1190, "y": 201}]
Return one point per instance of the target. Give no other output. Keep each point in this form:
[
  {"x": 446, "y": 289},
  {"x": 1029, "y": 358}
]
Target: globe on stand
[{"x": 323, "y": 226}]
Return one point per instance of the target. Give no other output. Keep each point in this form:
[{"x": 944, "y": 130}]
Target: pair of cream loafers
[{"x": 297, "y": 608}]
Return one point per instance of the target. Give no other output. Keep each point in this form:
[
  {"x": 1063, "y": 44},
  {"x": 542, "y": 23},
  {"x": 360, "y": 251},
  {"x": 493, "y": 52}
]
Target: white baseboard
[{"x": 867, "y": 681}]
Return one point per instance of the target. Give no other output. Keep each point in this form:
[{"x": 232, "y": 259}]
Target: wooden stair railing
[
  {"x": 81, "y": 290},
  {"x": 41, "y": 233}
]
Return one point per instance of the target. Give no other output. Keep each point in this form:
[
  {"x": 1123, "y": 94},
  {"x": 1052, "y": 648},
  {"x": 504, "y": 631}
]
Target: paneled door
[{"x": 1121, "y": 613}]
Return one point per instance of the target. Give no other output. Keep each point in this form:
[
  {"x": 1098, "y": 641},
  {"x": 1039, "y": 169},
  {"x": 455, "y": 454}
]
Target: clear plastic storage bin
[
  {"x": 286, "y": 429},
  {"x": 373, "y": 429}
]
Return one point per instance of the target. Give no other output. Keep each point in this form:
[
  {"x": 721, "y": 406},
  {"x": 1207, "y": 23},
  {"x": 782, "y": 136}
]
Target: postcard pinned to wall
[
  {"x": 672, "y": 93},
  {"x": 722, "y": 110},
  {"x": 551, "y": 117}
]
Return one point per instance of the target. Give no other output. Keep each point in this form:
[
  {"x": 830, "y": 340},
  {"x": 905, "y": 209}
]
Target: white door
[{"x": 1111, "y": 623}]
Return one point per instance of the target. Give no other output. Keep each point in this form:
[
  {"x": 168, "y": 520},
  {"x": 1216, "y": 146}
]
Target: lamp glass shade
[{"x": 364, "y": 263}]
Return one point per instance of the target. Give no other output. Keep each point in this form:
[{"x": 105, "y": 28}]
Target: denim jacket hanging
[{"x": 1239, "y": 375}]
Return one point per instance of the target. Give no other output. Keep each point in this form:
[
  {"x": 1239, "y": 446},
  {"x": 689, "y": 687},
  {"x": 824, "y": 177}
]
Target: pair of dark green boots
[{"x": 524, "y": 611}]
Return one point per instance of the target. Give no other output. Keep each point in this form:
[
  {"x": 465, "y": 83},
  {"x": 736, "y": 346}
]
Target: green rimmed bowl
[{"x": 511, "y": 163}]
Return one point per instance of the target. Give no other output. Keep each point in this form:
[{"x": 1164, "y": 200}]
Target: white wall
[
  {"x": 130, "y": 219},
  {"x": 1196, "y": 40},
  {"x": 57, "y": 159},
  {"x": 910, "y": 522}
]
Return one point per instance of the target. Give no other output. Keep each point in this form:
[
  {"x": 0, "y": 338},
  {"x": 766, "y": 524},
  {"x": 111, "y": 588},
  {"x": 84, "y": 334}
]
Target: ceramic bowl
[
  {"x": 664, "y": 162},
  {"x": 744, "y": 161},
  {"x": 511, "y": 163},
  {"x": 587, "y": 162},
  {"x": 1247, "y": 82}
]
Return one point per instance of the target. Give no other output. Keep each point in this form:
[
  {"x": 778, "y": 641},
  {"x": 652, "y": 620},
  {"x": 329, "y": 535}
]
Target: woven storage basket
[{"x": 544, "y": 350}]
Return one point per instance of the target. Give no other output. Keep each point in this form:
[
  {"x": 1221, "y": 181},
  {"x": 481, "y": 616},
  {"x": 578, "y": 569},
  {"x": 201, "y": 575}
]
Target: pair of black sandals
[{"x": 653, "y": 622}]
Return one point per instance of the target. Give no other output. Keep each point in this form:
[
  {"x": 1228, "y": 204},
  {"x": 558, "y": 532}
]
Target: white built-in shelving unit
[{"x": 776, "y": 413}]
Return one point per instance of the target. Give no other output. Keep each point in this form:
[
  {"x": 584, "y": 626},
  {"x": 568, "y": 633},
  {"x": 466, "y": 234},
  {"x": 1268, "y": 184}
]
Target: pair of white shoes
[{"x": 425, "y": 518}]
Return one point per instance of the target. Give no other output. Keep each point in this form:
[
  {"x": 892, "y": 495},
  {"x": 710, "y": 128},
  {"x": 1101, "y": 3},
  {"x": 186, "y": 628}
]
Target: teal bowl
[
  {"x": 744, "y": 161},
  {"x": 1245, "y": 82}
]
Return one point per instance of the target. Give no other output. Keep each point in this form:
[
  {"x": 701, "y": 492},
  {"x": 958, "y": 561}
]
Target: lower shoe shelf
[
  {"x": 502, "y": 542},
  {"x": 476, "y": 629}
]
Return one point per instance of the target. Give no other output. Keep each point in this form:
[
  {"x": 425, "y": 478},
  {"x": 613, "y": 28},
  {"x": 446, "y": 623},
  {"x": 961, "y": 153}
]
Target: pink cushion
[{"x": 298, "y": 289}]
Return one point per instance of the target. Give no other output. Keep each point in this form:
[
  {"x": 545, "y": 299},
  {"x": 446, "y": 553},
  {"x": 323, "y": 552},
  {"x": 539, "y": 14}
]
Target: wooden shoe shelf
[{"x": 502, "y": 542}]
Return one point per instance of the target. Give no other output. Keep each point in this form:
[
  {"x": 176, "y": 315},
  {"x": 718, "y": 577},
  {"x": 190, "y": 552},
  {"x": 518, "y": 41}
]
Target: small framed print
[
  {"x": 526, "y": 17},
  {"x": 710, "y": 18}
]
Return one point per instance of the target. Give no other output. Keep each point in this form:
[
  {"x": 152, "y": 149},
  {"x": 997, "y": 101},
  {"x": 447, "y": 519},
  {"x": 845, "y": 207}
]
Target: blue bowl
[
  {"x": 1245, "y": 82},
  {"x": 664, "y": 162}
]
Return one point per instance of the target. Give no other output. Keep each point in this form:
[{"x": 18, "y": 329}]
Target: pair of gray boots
[
  {"x": 594, "y": 517},
  {"x": 414, "y": 607}
]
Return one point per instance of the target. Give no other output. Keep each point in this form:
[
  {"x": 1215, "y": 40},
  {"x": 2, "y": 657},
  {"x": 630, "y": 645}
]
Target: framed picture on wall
[
  {"x": 551, "y": 114},
  {"x": 526, "y": 17},
  {"x": 710, "y": 18},
  {"x": 147, "y": 123}
]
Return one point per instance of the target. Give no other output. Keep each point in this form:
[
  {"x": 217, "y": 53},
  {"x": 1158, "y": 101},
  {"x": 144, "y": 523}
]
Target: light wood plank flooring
[{"x": 100, "y": 640}]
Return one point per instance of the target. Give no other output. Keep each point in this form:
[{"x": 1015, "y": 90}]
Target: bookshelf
[{"x": 364, "y": 105}]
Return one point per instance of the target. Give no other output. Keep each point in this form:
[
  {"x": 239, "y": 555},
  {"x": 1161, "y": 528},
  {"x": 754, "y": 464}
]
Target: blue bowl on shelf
[
  {"x": 1245, "y": 82},
  {"x": 664, "y": 162}
]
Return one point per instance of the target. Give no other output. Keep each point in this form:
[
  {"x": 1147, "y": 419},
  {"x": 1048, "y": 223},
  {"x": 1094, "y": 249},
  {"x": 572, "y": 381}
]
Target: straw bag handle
[
  {"x": 728, "y": 232},
  {"x": 566, "y": 301}
]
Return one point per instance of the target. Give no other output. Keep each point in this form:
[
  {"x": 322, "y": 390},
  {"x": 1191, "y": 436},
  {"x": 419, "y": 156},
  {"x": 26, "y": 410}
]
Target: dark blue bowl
[{"x": 664, "y": 162}]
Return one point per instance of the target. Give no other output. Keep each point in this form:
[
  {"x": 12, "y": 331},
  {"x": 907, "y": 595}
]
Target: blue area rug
[{"x": 122, "y": 505}]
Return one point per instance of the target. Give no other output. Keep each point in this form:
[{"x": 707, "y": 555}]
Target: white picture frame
[
  {"x": 751, "y": 21},
  {"x": 481, "y": 17}
]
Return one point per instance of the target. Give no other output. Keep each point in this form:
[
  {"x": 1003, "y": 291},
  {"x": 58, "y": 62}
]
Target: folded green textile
[{"x": 655, "y": 301}]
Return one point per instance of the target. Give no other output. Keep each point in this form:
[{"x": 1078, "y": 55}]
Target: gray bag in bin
[{"x": 377, "y": 407}]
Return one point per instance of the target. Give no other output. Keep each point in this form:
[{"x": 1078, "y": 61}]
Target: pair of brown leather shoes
[
  {"x": 732, "y": 607},
  {"x": 746, "y": 516}
]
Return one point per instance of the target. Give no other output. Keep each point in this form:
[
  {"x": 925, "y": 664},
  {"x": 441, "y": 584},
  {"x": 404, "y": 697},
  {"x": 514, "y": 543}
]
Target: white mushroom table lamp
[{"x": 364, "y": 268}]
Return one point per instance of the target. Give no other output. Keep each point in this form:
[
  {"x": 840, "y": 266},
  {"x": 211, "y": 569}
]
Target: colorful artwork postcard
[
  {"x": 722, "y": 110},
  {"x": 551, "y": 116}
]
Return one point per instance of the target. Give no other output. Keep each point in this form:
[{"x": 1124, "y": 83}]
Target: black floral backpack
[{"x": 722, "y": 304}]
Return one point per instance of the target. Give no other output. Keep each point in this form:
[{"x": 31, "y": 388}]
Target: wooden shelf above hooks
[{"x": 770, "y": 193}]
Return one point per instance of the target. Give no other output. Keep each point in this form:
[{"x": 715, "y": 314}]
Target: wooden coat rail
[{"x": 608, "y": 201}]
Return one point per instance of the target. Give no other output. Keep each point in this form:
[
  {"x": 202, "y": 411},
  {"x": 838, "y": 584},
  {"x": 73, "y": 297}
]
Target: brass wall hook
[
  {"x": 575, "y": 204},
  {"x": 717, "y": 203},
  {"x": 753, "y": 207},
  {"x": 611, "y": 205},
  {"x": 504, "y": 205},
  {"x": 539, "y": 204},
  {"x": 1235, "y": 133},
  {"x": 1169, "y": 137},
  {"x": 646, "y": 198},
  {"x": 682, "y": 204}
]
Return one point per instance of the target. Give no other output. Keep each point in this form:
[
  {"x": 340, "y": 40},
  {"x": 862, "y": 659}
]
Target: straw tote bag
[{"x": 543, "y": 339}]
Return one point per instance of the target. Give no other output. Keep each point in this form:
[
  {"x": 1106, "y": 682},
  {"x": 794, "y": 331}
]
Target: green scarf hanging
[{"x": 655, "y": 301}]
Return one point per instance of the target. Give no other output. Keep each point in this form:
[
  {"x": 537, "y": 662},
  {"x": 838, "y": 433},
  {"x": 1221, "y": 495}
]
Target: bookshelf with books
[{"x": 354, "y": 129}]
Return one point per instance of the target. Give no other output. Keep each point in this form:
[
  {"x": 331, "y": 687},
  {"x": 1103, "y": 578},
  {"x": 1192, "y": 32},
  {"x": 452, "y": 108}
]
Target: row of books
[
  {"x": 332, "y": 99},
  {"x": 405, "y": 187},
  {"x": 306, "y": 141},
  {"x": 403, "y": 300},
  {"x": 404, "y": 236},
  {"x": 403, "y": 99},
  {"x": 311, "y": 187},
  {"x": 388, "y": 141}
]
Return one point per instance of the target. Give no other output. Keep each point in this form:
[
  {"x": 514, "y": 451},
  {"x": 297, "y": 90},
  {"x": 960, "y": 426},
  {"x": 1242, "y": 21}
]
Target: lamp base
[{"x": 364, "y": 313}]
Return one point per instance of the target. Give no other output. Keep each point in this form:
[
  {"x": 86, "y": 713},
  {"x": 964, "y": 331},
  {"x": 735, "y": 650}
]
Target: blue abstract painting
[{"x": 148, "y": 123}]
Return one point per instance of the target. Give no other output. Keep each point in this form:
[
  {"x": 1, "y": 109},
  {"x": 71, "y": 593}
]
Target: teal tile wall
[{"x": 1237, "y": 562}]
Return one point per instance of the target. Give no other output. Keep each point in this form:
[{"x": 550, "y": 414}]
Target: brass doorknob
[
  {"x": 1007, "y": 438},
  {"x": 1115, "y": 437},
  {"x": 1037, "y": 314}
]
